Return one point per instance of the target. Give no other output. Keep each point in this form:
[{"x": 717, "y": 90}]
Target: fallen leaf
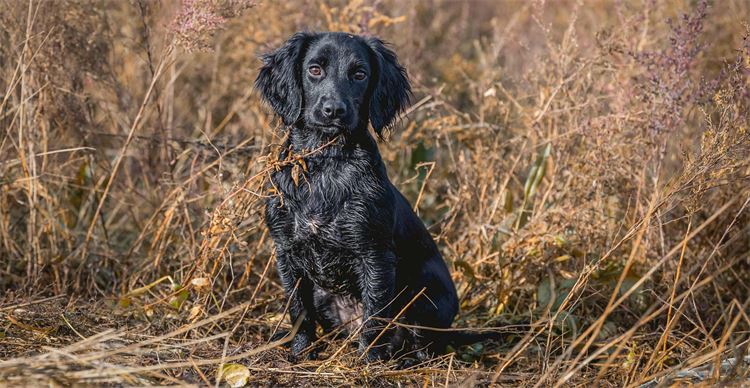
[
  {"x": 295, "y": 174},
  {"x": 124, "y": 302},
  {"x": 235, "y": 375},
  {"x": 200, "y": 283},
  {"x": 195, "y": 312}
]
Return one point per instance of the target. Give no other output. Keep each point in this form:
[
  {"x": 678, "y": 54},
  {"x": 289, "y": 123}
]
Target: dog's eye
[
  {"x": 315, "y": 71},
  {"x": 360, "y": 75}
]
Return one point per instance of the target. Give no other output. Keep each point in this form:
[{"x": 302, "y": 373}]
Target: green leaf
[
  {"x": 508, "y": 201},
  {"x": 560, "y": 241},
  {"x": 536, "y": 173},
  {"x": 544, "y": 293},
  {"x": 420, "y": 154},
  {"x": 529, "y": 182},
  {"x": 628, "y": 283},
  {"x": 476, "y": 349},
  {"x": 609, "y": 330},
  {"x": 541, "y": 168},
  {"x": 567, "y": 323},
  {"x": 180, "y": 297}
]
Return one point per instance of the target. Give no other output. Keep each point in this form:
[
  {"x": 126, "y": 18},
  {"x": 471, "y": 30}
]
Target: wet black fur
[{"x": 345, "y": 237}]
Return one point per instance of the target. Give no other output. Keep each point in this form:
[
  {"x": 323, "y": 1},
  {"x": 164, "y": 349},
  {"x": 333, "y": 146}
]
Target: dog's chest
[
  {"x": 321, "y": 249},
  {"x": 315, "y": 226},
  {"x": 325, "y": 203}
]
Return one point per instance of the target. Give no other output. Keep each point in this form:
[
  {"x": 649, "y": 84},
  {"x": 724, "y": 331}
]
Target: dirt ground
[{"x": 584, "y": 167}]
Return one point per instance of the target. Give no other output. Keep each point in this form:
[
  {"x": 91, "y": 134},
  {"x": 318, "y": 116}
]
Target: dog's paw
[
  {"x": 310, "y": 355},
  {"x": 376, "y": 354},
  {"x": 406, "y": 363},
  {"x": 301, "y": 348},
  {"x": 412, "y": 360},
  {"x": 280, "y": 335}
]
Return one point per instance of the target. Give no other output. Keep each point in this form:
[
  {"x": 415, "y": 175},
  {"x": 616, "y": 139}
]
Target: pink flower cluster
[{"x": 197, "y": 21}]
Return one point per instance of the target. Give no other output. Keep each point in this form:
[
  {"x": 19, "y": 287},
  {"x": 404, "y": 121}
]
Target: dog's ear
[
  {"x": 391, "y": 90},
  {"x": 279, "y": 80}
]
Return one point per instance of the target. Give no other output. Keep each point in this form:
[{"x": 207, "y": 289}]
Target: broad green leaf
[{"x": 567, "y": 323}]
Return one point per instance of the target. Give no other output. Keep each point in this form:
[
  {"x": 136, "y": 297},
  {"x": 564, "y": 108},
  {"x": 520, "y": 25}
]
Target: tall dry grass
[{"x": 583, "y": 165}]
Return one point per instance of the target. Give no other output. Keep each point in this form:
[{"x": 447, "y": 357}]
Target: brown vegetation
[{"x": 582, "y": 164}]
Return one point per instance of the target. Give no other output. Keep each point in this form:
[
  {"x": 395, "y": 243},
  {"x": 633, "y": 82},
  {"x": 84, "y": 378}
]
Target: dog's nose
[{"x": 333, "y": 109}]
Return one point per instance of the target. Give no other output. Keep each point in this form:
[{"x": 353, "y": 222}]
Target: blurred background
[{"x": 583, "y": 165}]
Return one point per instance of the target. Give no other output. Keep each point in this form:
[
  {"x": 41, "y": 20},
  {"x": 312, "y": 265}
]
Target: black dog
[{"x": 347, "y": 242}]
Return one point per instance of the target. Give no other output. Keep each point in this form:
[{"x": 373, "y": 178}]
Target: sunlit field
[{"x": 584, "y": 167}]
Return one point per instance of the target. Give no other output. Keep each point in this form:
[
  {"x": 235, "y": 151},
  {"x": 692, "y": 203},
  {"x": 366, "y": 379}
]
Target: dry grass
[{"x": 583, "y": 165}]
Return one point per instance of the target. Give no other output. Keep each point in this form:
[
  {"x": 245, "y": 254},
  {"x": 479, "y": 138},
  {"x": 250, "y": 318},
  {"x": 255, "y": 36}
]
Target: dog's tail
[{"x": 458, "y": 338}]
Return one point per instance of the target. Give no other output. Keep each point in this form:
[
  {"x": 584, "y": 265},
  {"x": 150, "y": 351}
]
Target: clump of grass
[{"x": 584, "y": 168}]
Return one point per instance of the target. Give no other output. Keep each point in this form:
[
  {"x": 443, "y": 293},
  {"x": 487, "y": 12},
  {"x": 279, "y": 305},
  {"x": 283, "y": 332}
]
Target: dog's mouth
[{"x": 332, "y": 127}]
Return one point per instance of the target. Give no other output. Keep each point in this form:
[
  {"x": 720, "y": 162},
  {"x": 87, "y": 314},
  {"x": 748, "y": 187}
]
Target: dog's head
[{"x": 334, "y": 82}]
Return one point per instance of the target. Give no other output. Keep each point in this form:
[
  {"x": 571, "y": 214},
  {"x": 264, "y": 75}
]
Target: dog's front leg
[
  {"x": 378, "y": 281},
  {"x": 299, "y": 291}
]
